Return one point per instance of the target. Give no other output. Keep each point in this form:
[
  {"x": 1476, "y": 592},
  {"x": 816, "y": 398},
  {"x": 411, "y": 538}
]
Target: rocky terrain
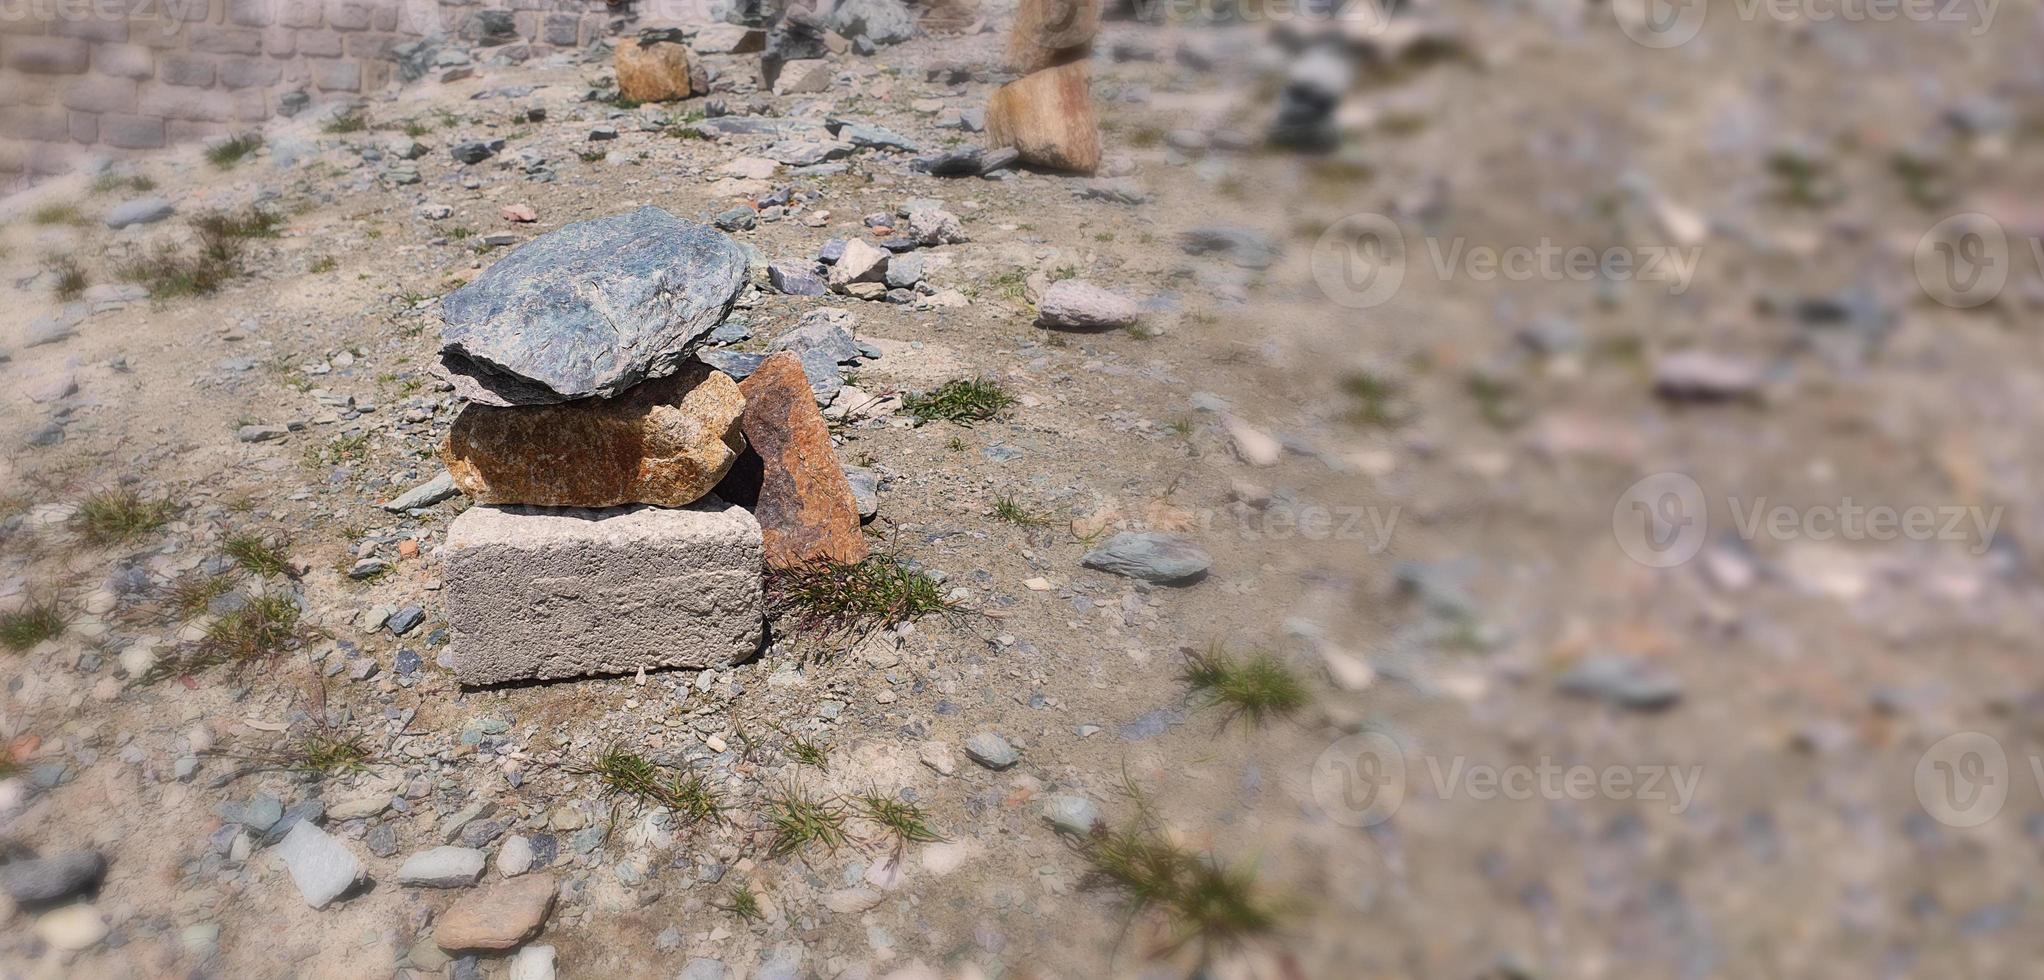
[{"x": 1256, "y": 623}]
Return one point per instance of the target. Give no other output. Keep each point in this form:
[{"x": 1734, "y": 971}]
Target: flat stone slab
[{"x": 547, "y": 593}]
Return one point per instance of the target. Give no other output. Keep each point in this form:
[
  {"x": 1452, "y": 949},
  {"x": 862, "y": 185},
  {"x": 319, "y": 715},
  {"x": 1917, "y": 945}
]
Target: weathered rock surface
[
  {"x": 496, "y": 918},
  {"x": 540, "y": 594},
  {"x": 656, "y": 72},
  {"x": 322, "y": 867},
  {"x": 791, "y": 474},
  {"x": 664, "y": 442},
  {"x": 1161, "y": 558},
  {"x": 1077, "y": 305},
  {"x": 1048, "y": 33},
  {"x": 589, "y": 310},
  {"x": 861, "y": 262},
  {"x": 442, "y": 867},
  {"x": 1048, "y": 118}
]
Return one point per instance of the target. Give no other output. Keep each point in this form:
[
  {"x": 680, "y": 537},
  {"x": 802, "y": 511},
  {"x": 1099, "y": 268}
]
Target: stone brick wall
[{"x": 97, "y": 76}]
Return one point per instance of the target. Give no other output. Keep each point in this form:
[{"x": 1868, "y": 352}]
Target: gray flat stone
[
  {"x": 442, "y": 867},
  {"x": 1161, "y": 558},
  {"x": 322, "y": 867},
  {"x": 140, "y": 211}
]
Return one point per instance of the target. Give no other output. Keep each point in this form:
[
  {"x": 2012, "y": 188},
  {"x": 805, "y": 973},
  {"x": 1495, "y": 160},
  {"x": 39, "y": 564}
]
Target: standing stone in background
[
  {"x": 589, "y": 309},
  {"x": 541, "y": 594},
  {"x": 664, "y": 442},
  {"x": 791, "y": 474},
  {"x": 1048, "y": 118},
  {"x": 1049, "y": 33},
  {"x": 655, "y": 71}
]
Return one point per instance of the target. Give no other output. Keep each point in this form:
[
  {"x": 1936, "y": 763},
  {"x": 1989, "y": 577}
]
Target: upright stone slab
[{"x": 545, "y": 593}]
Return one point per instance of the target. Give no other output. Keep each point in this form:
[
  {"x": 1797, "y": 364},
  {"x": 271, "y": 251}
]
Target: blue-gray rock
[
  {"x": 140, "y": 211},
  {"x": 872, "y": 137},
  {"x": 883, "y": 21},
  {"x": 819, "y": 334},
  {"x": 738, "y": 219},
  {"x": 425, "y": 494},
  {"x": 43, "y": 881},
  {"x": 738, "y": 364},
  {"x": 1621, "y": 681},
  {"x": 590, "y": 309},
  {"x": 865, "y": 490},
  {"x": 831, "y": 251},
  {"x": 476, "y": 151},
  {"x": 405, "y": 620},
  {"x": 904, "y": 271},
  {"x": 731, "y": 332},
  {"x": 1161, "y": 558},
  {"x": 795, "y": 281},
  {"x": 991, "y": 750}
]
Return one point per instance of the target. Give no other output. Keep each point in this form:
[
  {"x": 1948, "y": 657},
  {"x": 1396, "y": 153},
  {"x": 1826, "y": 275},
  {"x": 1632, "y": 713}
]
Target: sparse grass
[
  {"x": 806, "y": 752},
  {"x": 193, "y": 594},
  {"x": 742, "y": 903},
  {"x": 328, "y": 754},
  {"x": 1254, "y": 689},
  {"x": 1012, "y": 285},
  {"x": 71, "y": 278},
  {"x": 223, "y": 238},
  {"x": 1012, "y": 511},
  {"x": 1497, "y": 400},
  {"x": 56, "y": 213},
  {"x": 460, "y": 232},
  {"x": 956, "y": 445},
  {"x": 259, "y": 629},
  {"x": 322, "y": 265},
  {"x": 905, "y": 822},
  {"x": 119, "y": 516},
  {"x": 1378, "y": 399},
  {"x": 32, "y": 624},
  {"x": 800, "y": 820},
  {"x": 965, "y": 401},
  {"x": 833, "y": 597},
  {"x": 228, "y": 153},
  {"x": 9, "y": 766},
  {"x": 111, "y": 183},
  {"x": 1201, "y": 900},
  {"x": 258, "y": 554},
  {"x": 627, "y": 773},
  {"x": 415, "y": 128},
  {"x": 345, "y": 123}
]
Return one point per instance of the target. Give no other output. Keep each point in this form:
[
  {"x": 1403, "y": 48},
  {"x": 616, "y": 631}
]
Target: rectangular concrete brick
[
  {"x": 319, "y": 44},
  {"x": 130, "y": 61},
  {"x": 84, "y": 127},
  {"x": 91, "y": 25},
  {"x": 302, "y": 14},
  {"x": 337, "y": 76},
  {"x": 189, "y": 104},
  {"x": 226, "y": 40},
  {"x": 131, "y": 132},
  {"x": 91, "y": 94},
  {"x": 538, "y": 593},
  {"x": 563, "y": 30},
  {"x": 348, "y": 15},
  {"x": 240, "y": 73},
  {"x": 280, "y": 42},
  {"x": 46, "y": 55},
  {"x": 251, "y": 13},
  {"x": 187, "y": 70},
  {"x": 35, "y": 124}
]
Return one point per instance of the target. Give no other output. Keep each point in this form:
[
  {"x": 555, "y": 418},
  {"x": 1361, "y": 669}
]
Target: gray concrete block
[{"x": 538, "y": 593}]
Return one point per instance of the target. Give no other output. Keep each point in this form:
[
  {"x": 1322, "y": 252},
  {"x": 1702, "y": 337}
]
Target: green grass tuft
[
  {"x": 71, "y": 278},
  {"x": 111, "y": 183},
  {"x": 743, "y": 903},
  {"x": 835, "y": 597},
  {"x": 32, "y": 624},
  {"x": 193, "y": 594},
  {"x": 800, "y": 820},
  {"x": 328, "y": 754},
  {"x": 258, "y": 554},
  {"x": 1254, "y": 689},
  {"x": 1012, "y": 511},
  {"x": 171, "y": 272},
  {"x": 806, "y": 752},
  {"x": 345, "y": 123},
  {"x": 626, "y": 773},
  {"x": 906, "y": 822},
  {"x": 1379, "y": 400},
  {"x": 228, "y": 153},
  {"x": 966, "y": 401},
  {"x": 260, "y": 628},
  {"x": 119, "y": 516},
  {"x": 56, "y": 213}
]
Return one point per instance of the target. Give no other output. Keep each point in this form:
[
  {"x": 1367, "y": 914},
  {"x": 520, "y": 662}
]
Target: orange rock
[
  {"x": 791, "y": 474},
  {"x": 497, "y": 917},
  {"x": 1049, "y": 33},
  {"x": 664, "y": 442},
  {"x": 1048, "y": 118},
  {"x": 651, "y": 73},
  {"x": 408, "y": 548}
]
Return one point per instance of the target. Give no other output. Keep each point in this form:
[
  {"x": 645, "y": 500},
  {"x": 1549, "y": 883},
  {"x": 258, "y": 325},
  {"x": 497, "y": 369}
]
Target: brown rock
[
  {"x": 497, "y": 917},
  {"x": 1049, "y": 33},
  {"x": 652, "y": 73},
  {"x": 791, "y": 476},
  {"x": 1048, "y": 118},
  {"x": 664, "y": 442},
  {"x": 951, "y": 16}
]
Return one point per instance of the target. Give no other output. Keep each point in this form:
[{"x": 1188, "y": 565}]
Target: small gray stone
[
  {"x": 261, "y": 433},
  {"x": 703, "y": 968},
  {"x": 515, "y": 857},
  {"x": 820, "y": 335},
  {"x": 795, "y": 281},
  {"x": 35, "y": 882},
  {"x": 865, "y": 489},
  {"x": 1621, "y": 681},
  {"x": 442, "y": 867},
  {"x": 322, "y": 867},
  {"x": 1074, "y": 304},
  {"x": 1243, "y": 247},
  {"x": 1074, "y": 815},
  {"x": 140, "y": 211},
  {"x": 1161, "y": 558},
  {"x": 425, "y": 494},
  {"x": 991, "y": 750},
  {"x": 405, "y": 620}
]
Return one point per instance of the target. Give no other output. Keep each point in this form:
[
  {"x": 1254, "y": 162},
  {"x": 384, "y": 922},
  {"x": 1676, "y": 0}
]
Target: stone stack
[
  {"x": 1046, "y": 116},
  {"x": 591, "y": 442}
]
